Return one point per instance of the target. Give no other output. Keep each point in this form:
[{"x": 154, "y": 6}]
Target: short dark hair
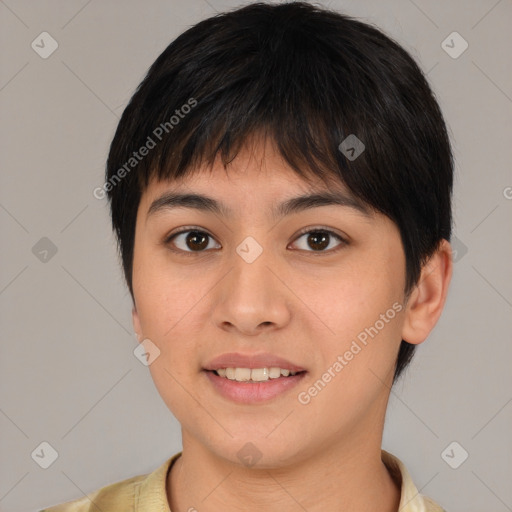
[{"x": 308, "y": 77}]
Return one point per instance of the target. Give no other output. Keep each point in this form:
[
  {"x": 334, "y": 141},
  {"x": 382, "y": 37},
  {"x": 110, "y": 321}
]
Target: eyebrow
[{"x": 171, "y": 200}]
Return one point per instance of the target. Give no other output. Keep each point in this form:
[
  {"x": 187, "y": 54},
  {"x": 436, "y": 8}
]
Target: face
[{"x": 316, "y": 290}]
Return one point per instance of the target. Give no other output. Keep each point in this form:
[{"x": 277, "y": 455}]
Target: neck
[{"x": 348, "y": 476}]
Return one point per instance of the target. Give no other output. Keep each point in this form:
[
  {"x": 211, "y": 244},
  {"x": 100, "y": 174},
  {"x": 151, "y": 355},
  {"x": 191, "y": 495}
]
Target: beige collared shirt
[{"x": 147, "y": 493}]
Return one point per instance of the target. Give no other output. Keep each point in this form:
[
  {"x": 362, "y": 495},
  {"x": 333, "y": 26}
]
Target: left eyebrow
[
  {"x": 308, "y": 201},
  {"x": 297, "y": 204}
]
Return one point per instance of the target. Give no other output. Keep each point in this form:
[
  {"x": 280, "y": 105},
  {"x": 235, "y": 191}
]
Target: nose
[{"x": 252, "y": 298}]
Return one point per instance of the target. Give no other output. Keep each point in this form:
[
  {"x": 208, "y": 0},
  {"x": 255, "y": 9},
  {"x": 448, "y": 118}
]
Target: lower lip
[{"x": 253, "y": 392}]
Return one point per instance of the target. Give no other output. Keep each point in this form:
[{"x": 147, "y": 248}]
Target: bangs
[{"x": 258, "y": 98}]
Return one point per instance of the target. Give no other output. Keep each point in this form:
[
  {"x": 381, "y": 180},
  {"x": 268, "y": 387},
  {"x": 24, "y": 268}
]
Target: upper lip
[{"x": 262, "y": 360}]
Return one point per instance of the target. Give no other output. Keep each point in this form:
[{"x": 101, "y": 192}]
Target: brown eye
[
  {"x": 319, "y": 240},
  {"x": 190, "y": 241},
  {"x": 196, "y": 240}
]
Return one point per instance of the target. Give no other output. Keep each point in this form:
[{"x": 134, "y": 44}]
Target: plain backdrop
[{"x": 68, "y": 375}]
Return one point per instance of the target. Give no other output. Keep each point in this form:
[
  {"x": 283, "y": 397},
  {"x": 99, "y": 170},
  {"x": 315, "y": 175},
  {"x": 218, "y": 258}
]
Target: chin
[{"x": 260, "y": 452}]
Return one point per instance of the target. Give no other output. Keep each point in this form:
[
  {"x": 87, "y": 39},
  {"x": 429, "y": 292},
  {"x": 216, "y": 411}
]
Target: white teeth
[
  {"x": 254, "y": 374},
  {"x": 274, "y": 373},
  {"x": 259, "y": 374},
  {"x": 242, "y": 374}
]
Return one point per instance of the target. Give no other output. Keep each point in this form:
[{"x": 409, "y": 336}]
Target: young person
[{"x": 280, "y": 187}]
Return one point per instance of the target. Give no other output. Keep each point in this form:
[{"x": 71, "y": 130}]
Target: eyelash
[{"x": 305, "y": 231}]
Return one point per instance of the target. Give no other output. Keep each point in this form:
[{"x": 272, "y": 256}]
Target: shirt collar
[{"x": 410, "y": 498}]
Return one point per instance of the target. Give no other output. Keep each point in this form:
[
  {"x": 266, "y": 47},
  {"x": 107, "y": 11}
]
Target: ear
[
  {"x": 427, "y": 299},
  {"x": 136, "y": 324}
]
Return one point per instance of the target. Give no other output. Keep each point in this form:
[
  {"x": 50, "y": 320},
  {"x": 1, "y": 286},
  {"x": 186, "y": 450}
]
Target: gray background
[{"x": 68, "y": 375}]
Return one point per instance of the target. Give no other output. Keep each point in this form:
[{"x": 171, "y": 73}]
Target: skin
[{"x": 292, "y": 301}]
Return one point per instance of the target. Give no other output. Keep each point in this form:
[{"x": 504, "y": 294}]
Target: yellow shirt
[{"x": 147, "y": 493}]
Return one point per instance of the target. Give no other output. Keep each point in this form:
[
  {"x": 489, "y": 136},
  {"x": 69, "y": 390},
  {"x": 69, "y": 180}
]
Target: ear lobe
[
  {"x": 428, "y": 297},
  {"x": 136, "y": 324}
]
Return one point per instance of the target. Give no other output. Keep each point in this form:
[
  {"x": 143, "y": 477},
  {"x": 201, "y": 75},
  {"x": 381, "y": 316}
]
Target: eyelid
[
  {"x": 325, "y": 229},
  {"x": 185, "y": 229}
]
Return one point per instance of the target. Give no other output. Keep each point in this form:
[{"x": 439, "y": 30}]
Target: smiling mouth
[
  {"x": 254, "y": 375},
  {"x": 251, "y": 386}
]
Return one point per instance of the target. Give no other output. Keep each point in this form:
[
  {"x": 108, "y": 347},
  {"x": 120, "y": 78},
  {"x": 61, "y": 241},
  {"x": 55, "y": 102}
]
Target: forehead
[
  {"x": 258, "y": 178},
  {"x": 238, "y": 182},
  {"x": 257, "y": 168},
  {"x": 257, "y": 162},
  {"x": 206, "y": 201}
]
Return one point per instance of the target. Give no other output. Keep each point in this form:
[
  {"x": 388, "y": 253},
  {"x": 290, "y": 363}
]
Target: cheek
[
  {"x": 364, "y": 311},
  {"x": 354, "y": 298},
  {"x": 171, "y": 305},
  {"x": 357, "y": 363},
  {"x": 177, "y": 391},
  {"x": 168, "y": 306},
  {"x": 165, "y": 294}
]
